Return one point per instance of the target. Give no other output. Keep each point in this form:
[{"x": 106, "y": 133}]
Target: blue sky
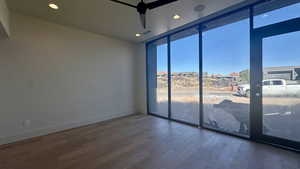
[{"x": 226, "y": 49}]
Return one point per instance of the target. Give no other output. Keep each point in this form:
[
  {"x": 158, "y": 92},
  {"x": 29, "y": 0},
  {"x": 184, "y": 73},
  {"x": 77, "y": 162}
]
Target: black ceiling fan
[{"x": 142, "y": 7}]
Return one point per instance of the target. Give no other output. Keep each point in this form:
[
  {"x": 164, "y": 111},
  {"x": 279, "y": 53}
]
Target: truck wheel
[{"x": 248, "y": 93}]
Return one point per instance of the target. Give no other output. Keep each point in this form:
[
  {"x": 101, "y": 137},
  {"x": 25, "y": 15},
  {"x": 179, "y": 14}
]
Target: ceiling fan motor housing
[{"x": 142, "y": 8}]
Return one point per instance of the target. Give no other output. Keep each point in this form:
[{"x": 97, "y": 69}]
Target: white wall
[
  {"x": 140, "y": 62},
  {"x": 59, "y": 77},
  {"x": 4, "y": 19}
]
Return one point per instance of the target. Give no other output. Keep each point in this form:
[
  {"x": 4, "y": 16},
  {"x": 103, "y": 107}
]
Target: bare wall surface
[
  {"x": 54, "y": 77},
  {"x": 4, "y": 19},
  {"x": 141, "y": 101}
]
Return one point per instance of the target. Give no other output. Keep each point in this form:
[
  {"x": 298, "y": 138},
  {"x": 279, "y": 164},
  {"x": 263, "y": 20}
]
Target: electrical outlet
[{"x": 26, "y": 123}]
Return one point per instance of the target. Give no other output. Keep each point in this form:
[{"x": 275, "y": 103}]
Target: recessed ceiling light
[
  {"x": 176, "y": 17},
  {"x": 138, "y": 35},
  {"x": 53, "y": 6},
  {"x": 199, "y": 8}
]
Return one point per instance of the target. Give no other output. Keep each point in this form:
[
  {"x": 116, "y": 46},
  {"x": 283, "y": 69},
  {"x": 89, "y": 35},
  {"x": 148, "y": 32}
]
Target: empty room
[{"x": 149, "y": 84}]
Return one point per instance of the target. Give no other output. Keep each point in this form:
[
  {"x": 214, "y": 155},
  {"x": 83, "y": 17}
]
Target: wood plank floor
[{"x": 143, "y": 142}]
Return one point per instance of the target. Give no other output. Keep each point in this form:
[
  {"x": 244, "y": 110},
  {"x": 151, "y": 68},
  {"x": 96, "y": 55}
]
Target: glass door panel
[
  {"x": 158, "y": 77},
  {"x": 185, "y": 76},
  {"x": 281, "y": 86},
  {"x": 226, "y": 67}
]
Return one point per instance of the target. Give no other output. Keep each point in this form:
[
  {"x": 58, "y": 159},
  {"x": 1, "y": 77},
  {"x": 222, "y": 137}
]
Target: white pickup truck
[{"x": 273, "y": 87}]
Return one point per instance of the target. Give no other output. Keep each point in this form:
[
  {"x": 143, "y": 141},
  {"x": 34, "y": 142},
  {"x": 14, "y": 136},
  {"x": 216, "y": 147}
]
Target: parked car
[{"x": 273, "y": 87}]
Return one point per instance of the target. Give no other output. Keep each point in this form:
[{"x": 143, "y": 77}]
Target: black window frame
[{"x": 253, "y": 52}]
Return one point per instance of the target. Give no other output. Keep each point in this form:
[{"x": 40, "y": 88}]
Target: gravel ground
[{"x": 281, "y": 115}]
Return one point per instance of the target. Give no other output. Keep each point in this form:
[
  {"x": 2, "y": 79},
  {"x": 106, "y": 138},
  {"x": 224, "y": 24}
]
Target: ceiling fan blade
[
  {"x": 124, "y": 3},
  {"x": 143, "y": 20},
  {"x": 159, "y": 3}
]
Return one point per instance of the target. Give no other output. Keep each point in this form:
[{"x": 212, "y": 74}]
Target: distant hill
[{"x": 191, "y": 79}]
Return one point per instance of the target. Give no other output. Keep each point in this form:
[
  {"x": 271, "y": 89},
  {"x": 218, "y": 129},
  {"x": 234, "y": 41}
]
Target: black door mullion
[
  {"x": 200, "y": 76},
  {"x": 256, "y": 76},
  {"x": 169, "y": 78},
  {"x": 253, "y": 112}
]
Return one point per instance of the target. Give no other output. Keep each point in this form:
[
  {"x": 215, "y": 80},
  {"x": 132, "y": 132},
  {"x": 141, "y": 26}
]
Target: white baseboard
[{"x": 57, "y": 128}]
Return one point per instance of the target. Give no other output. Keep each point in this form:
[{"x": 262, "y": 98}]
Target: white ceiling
[{"x": 108, "y": 18}]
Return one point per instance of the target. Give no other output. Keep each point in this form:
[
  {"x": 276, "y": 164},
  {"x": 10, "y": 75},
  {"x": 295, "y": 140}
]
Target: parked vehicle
[{"x": 274, "y": 87}]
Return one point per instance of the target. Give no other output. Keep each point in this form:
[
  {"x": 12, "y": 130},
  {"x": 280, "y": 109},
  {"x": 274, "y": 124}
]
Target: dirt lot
[{"x": 281, "y": 115}]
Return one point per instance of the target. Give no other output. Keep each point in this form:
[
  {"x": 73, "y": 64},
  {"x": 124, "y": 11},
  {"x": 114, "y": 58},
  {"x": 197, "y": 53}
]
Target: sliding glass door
[
  {"x": 173, "y": 77},
  {"x": 226, "y": 66},
  {"x": 158, "y": 78},
  {"x": 185, "y": 76}
]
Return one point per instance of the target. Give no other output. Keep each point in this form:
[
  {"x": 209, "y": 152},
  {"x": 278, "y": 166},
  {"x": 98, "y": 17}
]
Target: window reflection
[
  {"x": 281, "y": 98},
  {"x": 158, "y": 77},
  {"x": 226, "y": 82},
  {"x": 185, "y": 76}
]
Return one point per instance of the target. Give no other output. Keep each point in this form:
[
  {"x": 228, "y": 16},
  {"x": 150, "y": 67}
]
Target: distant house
[
  {"x": 284, "y": 72},
  {"x": 232, "y": 76}
]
